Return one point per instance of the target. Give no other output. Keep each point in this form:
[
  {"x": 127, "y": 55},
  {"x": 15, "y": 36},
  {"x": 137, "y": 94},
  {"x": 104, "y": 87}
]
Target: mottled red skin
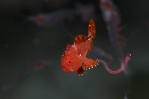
[
  {"x": 74, "y": 58},
  {"x": 70, "y": 60}
]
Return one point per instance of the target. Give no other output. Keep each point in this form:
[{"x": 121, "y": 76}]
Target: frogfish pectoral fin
[
  {"x": 89, "y": 63},
  {"x": 80, "y": 71}
]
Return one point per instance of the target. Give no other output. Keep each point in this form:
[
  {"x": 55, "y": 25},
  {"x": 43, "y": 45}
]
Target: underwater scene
[{"x": 74, "y": 49}]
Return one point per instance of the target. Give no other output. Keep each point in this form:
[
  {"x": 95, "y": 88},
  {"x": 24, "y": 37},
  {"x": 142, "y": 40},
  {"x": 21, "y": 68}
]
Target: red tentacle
[{"x": 123, "y": 66}]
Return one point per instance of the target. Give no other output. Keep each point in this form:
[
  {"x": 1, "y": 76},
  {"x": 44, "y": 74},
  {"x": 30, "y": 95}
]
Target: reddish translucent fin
[
  {"x": 80, "y": 71},
  {"x": 89, "y": 63},
  {"x": 90, "y": 46},
  {"x": 127, "y": 58},
  {"x": 79, "y": 39},
  {"x": 91, "y": 29}
]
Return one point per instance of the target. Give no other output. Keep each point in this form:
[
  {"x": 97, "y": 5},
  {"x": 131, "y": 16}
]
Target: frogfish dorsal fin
[
  {"x": 81, "y": 44},
  {"x": 90, "y": 46},
  {"x": 79, "y": 39},
  {"x": 91, "y": 29}
]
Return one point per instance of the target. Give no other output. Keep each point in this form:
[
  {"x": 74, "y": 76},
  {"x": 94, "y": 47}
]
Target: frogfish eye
[{"x": 69, "y": 62}]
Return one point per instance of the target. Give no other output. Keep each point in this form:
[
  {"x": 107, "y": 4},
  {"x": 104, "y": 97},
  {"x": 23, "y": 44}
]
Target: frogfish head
[{"x": 70, "y": 61}]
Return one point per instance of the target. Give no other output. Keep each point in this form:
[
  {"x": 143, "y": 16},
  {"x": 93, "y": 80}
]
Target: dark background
[{"x": 24, "y": 43}]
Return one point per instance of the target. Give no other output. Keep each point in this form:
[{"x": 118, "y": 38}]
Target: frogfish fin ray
[{"x": 91, "y": 29}]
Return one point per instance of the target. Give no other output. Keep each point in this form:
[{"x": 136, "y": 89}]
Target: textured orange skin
[{"x": 74, "y": 58}]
